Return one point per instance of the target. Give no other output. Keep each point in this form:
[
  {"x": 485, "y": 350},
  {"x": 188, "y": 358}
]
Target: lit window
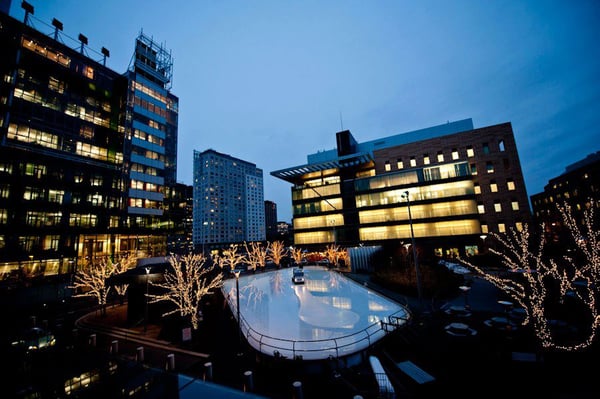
[
  {"x": 440, "y": 156},
  {"x": 388, "y": 167},
  {"x": 4, "y": 190},
  {"x": 96, "y": 180},
  {"x": 454, "y": 154},
  {"x": 501, "y": 228},
  {"x": 88, "y": 72},
  {"x": 480, "y": 209},
  {"x": 477, "y": 189},
  {"x": 413, "y": 162},
  {"x": 473, "y": 169},
  {"x": 485, "y": 229},
  {"x": 493, "y": 187},
  {"x": 400, "y": 164},
  {"x": 489, "y": 167},
  {"x": 519, "y": 226},
  {"x": 510, "y": 185},
  {"x": 497, "y": 207},
  {"x": 426, "y": 159},
  {"x": 470, "y": 152},
  {"x": 515, "y": 205}
]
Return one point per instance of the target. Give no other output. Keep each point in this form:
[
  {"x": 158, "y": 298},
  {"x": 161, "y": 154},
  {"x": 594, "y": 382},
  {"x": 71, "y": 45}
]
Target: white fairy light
[
  {"x": 578, "y": 279},
  {"x": 185, "y": 283}
]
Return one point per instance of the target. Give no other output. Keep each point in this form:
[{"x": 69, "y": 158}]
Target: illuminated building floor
[{"x": 327, "y": 316}]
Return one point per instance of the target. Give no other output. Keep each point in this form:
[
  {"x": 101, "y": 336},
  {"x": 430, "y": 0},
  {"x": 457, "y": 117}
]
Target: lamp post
[
  {"x": 237, "y": 295},
  {"x": 332, "y": 223},
  {"x": 483, "y": 237},
  {"x": 414, "y": 249},
  {"x": 146, "y": 308}
]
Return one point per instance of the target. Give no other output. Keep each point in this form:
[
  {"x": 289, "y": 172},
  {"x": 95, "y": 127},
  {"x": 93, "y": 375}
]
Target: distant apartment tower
[
  {"x": 271, "y": 220},
  {"x": 179, "y": 204},
  {"x": 228, "y": 200},
  {"x": 579, "y": 184},
  {"x": 85, "y": 152},
  {"x": 461, "y": 182}
]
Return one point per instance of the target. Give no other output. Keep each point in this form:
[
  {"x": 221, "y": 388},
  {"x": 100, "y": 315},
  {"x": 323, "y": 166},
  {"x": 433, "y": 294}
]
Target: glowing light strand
[
  {"x": 91, "y": 281},
  {"x": 277, "y": 253},
  {"x": 256, "y": 255},
  {"x": 187, "y": 281},
  {"x": 577, "y": 279}
]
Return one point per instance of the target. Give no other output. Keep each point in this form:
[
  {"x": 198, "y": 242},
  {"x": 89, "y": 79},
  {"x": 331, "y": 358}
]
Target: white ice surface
[{"x": 328, "y": 315}]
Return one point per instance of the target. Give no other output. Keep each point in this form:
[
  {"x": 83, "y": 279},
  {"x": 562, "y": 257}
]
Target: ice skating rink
[{"x": 329, "y": 315}]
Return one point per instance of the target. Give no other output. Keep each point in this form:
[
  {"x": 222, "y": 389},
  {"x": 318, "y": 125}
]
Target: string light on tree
[
  {"x": 577, "y": 279},
  {"x": 187, "y": 281}
]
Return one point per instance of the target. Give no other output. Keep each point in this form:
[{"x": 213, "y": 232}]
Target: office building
[
  {"x": 579, "y": 184},
  {"x": 151, "y": 144},
  {"x": 228, "y": 201},
  {"x": 271, "y": 220},
  {"x": 179, "y": 204},
  {"x": 450, "y": 184},
  {"x": 85, "y": 152}
]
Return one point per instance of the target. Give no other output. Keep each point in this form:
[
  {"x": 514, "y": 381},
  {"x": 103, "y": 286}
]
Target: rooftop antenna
[
  {"x": 341, "y": 122},
  {"x": 105, "y": 53},
  {"x": 84, "y": 40},
  {"x": 58, "y": 26},
  {"x": 28, "y": 10}
]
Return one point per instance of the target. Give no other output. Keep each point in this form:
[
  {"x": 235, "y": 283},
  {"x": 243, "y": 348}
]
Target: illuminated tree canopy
[
  {"x": 185, "y": 283},
  {"x": 256, "y": 255},
  {"x": 548, "y": 283},
  {"x": 277, "y": 253},
  {"x": 91, "y": 281}
]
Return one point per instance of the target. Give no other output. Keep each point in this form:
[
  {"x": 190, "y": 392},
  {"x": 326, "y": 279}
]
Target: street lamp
[
  {"x": 146, "y": 310},
  {"x": 414, "y": 249},
  {"x": 236, "y": 272},
  {"x": 332, "y": 223}
]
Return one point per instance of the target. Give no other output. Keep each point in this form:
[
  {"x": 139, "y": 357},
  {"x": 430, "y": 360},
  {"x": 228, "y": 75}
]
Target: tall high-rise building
[
  {"x": 228, "y": 200},
  {"x": 448, "y": 184},
  {"x": 271, "y": 220},
  {"x": 85, "y": 152},
  {"x": 151, "y": 143}
]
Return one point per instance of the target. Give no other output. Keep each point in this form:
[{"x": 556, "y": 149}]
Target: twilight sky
[{"x": 273, "y": 81}]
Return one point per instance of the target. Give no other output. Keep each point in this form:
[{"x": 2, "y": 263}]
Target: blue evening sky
[{"x": 267, "y": 81}]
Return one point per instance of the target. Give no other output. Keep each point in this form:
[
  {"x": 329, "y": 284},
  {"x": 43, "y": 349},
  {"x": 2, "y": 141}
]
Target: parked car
[{"x": 298, "y": 276}]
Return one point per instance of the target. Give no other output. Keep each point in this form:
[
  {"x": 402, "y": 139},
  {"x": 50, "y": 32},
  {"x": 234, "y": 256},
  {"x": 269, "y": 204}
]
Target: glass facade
[
  {"x": 450, "y": 203},
  {"x": 85, "y": 155}
]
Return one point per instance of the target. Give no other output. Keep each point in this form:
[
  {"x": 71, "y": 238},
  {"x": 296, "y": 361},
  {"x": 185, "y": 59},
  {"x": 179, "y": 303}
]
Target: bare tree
[
  {"x": 277, "y": 253},
  {"x": 573, "y": 278},
  {"x": 124, "y": 264},
  {"x": 333, "y": 253},
  {"x": 256, "y": 255},
  {"x": 298, "y": 255},
  {"x": 185, "y": 283},
  {"x": 231, "y": 258},
  {"x": 91, "y": 281}
]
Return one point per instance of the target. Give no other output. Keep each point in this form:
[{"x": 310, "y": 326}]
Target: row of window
[
  {"x": 144, "y": 203},
  {"x": 146, "y": 186},
  {"x": 150, "y": 91},
  {"x": 43, "y": 50},
  {"x": 28, "y": 134},
  {"x": 440, "y": 157},
  {"x": 514, "y": 205}
]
